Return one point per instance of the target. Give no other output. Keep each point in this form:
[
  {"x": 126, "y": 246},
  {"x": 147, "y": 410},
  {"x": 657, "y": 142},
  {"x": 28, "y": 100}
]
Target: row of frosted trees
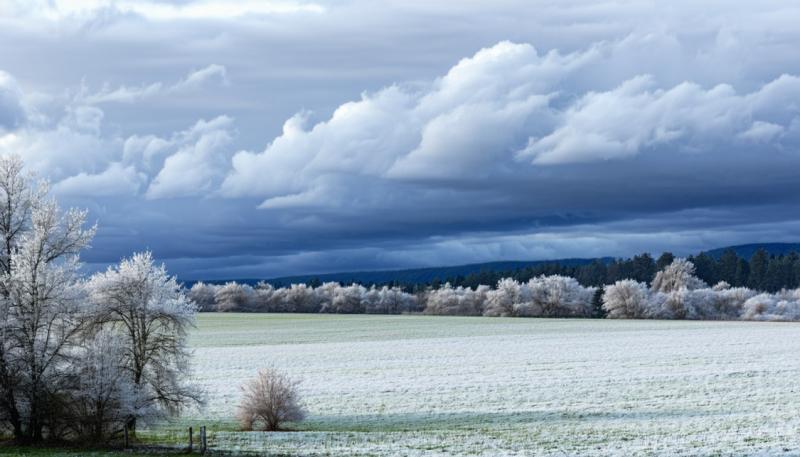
[
  {"x": 675, "y": 293},
  {"x": 301, "y": 298},
  {"x": 81, "y": 358}
]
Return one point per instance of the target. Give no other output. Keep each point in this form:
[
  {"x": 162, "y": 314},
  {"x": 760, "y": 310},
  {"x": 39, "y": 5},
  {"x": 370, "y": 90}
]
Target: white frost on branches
[
  {"x": 677, "y": 293},
  {"x": 781, "y": 306},
  {"x": 148, "y": 310},
  {"x": 542, "y": 296},
  {"x": 676, "y": 276},
  {"x": 459, "y": 301}
]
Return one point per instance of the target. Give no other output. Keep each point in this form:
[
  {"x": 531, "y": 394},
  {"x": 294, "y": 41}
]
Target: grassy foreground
[
  {"x": 10, "y": 451},
  {"x": 444, "y": 386}
]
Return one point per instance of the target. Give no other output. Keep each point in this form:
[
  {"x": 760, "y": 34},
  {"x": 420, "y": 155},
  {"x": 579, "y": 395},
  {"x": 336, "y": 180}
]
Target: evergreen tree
[
  {"x": 705, "y": 267},
  {"x": 742, "y": 273},
  {"x": 758, "y": 270},
  {"x": 727, "y": 266},
  {"x": 593, "y": 274},
  {"x": 772, "y": 280},
  {"x": 663, "y": 260},
  {"x": 792, "y": 264},
  {"x": 643, "y": 268}
]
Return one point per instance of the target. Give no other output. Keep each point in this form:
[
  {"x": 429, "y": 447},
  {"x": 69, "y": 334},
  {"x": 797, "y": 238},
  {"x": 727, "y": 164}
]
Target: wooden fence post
[
  {"x": 203, "y": 440},
  {"x": 126, "y": 436},
  {"x": 190, "y": 439}
]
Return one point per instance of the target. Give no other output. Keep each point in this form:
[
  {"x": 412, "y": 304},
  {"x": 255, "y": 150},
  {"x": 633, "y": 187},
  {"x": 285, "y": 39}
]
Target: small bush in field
[{"x": 268, "y": 401}]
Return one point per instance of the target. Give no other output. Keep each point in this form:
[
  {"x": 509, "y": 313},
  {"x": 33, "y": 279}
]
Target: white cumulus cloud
[
  {"x": 199, "y": 165},
  {"x": 506, "y": 111}
]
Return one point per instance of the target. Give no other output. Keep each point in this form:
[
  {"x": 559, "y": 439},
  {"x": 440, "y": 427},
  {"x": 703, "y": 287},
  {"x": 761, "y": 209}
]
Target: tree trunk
[{"x": 131, "y": 425}]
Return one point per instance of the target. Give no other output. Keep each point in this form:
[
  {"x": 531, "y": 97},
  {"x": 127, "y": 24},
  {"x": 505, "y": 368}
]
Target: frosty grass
[{"x": 434, "y": 385}]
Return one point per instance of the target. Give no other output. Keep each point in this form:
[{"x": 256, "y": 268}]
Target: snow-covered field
[{"x": 434, "y": 385}]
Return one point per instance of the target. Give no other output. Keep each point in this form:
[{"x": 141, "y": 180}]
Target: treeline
[
  {"x": 543, "y": 296},
  {"x": 762, "y": 271},
  {"x": 675, "y": 292},
  {"x": 330, "y": 297}
]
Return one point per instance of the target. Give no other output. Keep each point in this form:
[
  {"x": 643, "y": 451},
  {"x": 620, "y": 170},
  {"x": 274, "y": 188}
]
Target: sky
[{"x": 255, "y": 139}]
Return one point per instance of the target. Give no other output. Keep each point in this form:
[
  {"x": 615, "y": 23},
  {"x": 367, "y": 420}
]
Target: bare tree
[
  {"x": 152, "y": 315},
  {"x": 271, "y": 399}
]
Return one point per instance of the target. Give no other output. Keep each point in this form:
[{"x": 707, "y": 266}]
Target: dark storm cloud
[{"x": 289, "y": 137}]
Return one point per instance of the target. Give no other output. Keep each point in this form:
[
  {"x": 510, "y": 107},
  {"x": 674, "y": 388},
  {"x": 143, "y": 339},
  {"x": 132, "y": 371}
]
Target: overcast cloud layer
[{"x": 257, "y": 139}]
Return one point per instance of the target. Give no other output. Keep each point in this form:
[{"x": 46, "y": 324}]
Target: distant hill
[
  {"x": 410, "y": 276},
  {"x": 426, "y": 275},
  {"x": 747, "y": 250}
]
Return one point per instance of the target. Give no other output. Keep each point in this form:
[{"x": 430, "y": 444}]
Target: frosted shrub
[
  {"x": 781, "y": 306},
  {"x": 679, "y": 304},
  {"x": 722, "y": 285},
  {"x": 262, "y": 298},
  {"x": 299, "y": 298},
  {"x": 459, "y": 301},
  {"x": 543, "y": 296},
  {"x": 676, "y": 293},
  {"x": 627, "y": 299},
  {"x": 203, "y": 295},
  {"x": 268, "y": 401},
  {"x": 233, "y": 297},
  {"x": 347, "y": 300},
  {"x": 503, "y": 300},
  {"x": 555, "y": 296},
  {"x": 388, "y": 300},
  {"x": 725, "y": 303}
]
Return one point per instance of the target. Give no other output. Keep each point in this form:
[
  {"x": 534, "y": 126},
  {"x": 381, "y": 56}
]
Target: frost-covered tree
[
  {"x": 505, "y": 298},
  {"x": 41, "y": 312},
  {"x": 233, "y": 297},
  {"x": 204, "y": 296},
  {"x": 718, "y": 302},
  {"x": 103, "y": 397},
  {"x": 390, "y": 300},
  {"x": 146, "y": 306},
  {"x": 627, "y": 299},
  {"x": 301, "y": 298},
  {"x": 349, "y": 300},
  {"x": 542, "y": 296},
  {"x": 556, "y": 296},
  {"x": 262, "y": 300},
  {"x": 459, "y": 301},
  {"x": 679, "y": 274}
]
